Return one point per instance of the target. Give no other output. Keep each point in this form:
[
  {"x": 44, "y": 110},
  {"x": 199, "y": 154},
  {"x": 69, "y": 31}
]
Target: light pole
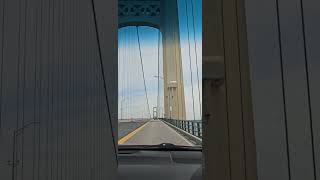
[
  {"x": 121, "y": 104},
  {"x": 172, "y": 85},
  {"x": 158, "y": 97},
  {"x": 121, "y": 108}
]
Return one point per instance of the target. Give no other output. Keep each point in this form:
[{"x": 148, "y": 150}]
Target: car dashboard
[{"x": 159, "y": 165}]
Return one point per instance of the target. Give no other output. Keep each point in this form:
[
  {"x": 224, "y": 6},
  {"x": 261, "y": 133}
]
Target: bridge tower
[{"x": 163, "y": 15}]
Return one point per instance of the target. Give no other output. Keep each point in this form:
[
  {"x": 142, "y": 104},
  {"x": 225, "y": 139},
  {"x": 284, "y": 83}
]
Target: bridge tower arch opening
[{"x": 162, "y": 15}]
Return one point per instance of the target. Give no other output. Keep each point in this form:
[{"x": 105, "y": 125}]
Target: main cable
[
  {"x": 142, "y": 68},
  {"x": 196, "y": 51},
  {"x": 190, "y": 65}
]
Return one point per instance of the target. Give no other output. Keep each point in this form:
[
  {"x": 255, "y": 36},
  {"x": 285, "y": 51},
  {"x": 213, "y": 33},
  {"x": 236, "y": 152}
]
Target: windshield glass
[{"x": 160, "y": 72}]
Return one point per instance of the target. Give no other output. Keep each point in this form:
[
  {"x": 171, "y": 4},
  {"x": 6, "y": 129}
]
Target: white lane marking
[{"x": 179, "y": 134}]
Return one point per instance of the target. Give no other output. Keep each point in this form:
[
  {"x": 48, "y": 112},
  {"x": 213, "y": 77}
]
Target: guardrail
[{"x": 193, "y": 127}]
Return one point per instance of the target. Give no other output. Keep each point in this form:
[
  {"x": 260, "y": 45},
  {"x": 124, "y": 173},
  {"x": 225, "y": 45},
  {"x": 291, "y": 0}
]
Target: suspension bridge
[{"x": 158, "y": 73}]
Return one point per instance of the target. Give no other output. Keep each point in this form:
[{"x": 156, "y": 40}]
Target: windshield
[{"x": 160, "y": 72}]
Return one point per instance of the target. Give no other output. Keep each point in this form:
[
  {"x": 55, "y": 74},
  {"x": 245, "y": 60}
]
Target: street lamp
[
  {"x": 171, "y": 86},
  {"x": 121, "y": 108},
  {"x": 158, "y": 77},
  {"x": 158, "y": 97}
]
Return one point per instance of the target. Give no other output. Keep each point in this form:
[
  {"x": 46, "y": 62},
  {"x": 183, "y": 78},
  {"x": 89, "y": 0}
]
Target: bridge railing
[{"x": 193, "y": 127}]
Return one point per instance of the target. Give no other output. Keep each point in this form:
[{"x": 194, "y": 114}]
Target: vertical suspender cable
[
  {"x": 123, "y": 73},
  {"x": 196, "y": 51},
  {"x": 187, "y": 15},
  {"x": 142, "y": 68},
  {"x": 124, "y": 70},
  {"x": 120, "y": 67},
  {"x": 158, "y": 96},
  {"x": 126, "y": 61},
  {"x": 122, "y": 43},
  {"x": 129, "y": 71},
  {"x": 119, "y": 75},
  {"x": 128, "y": 57}
]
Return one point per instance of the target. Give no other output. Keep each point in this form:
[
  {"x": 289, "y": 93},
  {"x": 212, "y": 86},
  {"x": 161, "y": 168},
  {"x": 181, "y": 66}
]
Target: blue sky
[{"x": 132, "y": 101}]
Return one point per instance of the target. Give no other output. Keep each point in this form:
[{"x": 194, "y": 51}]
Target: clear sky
[{"x": 132, "y": 100}]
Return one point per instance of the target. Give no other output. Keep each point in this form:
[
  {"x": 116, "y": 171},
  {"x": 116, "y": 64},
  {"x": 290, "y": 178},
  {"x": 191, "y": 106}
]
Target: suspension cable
[
  {"x": 129, "y": 55},
  {"x": 196, "y": 52},
  {"x": 124, "y": 74},
  {"x": 125, "y": 82},
  {"x": 142, "y": 68},
  {"x": 120, "y": 86},
  {"x": 190, "y": 65},
  {"x": 158, "y": 96},
  {"x": 129, "y": 75}
]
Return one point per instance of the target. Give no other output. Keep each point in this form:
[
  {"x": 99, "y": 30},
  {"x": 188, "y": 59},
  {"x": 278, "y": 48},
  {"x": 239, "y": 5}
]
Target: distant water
[{"x": 125, "y": 127}]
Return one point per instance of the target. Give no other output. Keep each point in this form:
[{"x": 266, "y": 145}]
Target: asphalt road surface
[{"x": 155, "y": 132}]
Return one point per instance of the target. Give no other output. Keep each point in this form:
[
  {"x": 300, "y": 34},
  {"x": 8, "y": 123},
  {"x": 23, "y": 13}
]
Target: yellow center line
[{"x": 130, "y": 135}]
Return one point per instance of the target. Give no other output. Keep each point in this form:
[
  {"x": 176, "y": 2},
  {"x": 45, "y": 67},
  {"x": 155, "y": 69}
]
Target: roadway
[{"x": 154, "y": 132}]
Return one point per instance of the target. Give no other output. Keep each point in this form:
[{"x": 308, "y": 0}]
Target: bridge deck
[{"x": 154, "y": 132}]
